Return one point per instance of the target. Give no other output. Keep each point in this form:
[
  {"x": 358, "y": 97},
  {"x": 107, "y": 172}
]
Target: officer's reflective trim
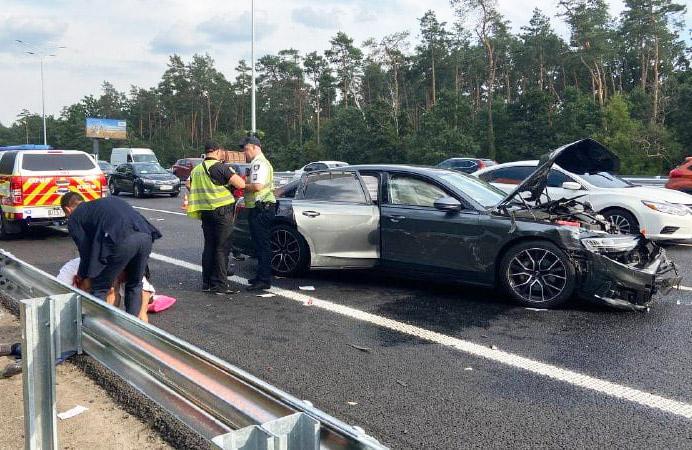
[{"x": 204, "y": 191}]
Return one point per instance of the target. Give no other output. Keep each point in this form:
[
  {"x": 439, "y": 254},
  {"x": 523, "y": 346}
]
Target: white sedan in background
[{"x": 661, "y": 214}]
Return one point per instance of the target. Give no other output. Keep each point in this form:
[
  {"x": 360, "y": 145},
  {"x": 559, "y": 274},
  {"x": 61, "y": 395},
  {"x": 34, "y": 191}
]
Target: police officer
[
  {"x": 211, "y": 200},
  {"x": 261, "y": 205}
]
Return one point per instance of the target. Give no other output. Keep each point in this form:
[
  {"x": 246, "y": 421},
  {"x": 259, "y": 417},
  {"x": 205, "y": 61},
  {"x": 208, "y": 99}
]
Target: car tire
[
  {"x": 537, "y": 274},
  {"x": 623, "y": 220},
  {"x": 113, "y": 190},
  {"x": 5, "y": 233},
  {"x": 138, "y": 191},
  {"x": 290, "y": 252}
]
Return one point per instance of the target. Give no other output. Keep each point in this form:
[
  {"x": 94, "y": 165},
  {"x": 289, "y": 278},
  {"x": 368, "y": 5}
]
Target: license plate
[
  {"x": 55, "y": 212},
  {"x": 166, "y": 188}
]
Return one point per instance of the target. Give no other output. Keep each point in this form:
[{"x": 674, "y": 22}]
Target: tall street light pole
[
  {"x": 41, "y": 54},
  {"x": 252, "y": 57}
]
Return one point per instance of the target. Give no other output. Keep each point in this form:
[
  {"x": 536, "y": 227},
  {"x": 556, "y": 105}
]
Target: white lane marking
[
  {"x": 547, "y": 370},
  {"x": 684, "y": 288},
  {"x": 160, "y": 210}
]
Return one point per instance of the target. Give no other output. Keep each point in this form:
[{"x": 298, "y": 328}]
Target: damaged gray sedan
[{"x": 447, "y": 226}]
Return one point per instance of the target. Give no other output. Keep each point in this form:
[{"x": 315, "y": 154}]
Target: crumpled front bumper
[{"x": 626, "y": 287}]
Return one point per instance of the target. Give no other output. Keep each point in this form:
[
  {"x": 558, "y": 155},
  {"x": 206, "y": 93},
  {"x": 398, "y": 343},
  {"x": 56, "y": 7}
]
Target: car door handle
[
  {"x": 311, "y": 213},
  {"x": 395, "y": 218}
]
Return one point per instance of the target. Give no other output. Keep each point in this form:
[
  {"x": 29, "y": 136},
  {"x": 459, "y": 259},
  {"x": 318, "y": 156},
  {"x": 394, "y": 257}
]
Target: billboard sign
[{"x": 106, "y": 128}]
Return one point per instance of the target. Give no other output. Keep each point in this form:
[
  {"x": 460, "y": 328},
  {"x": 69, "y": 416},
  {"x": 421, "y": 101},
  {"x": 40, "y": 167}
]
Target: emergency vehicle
[{"x": 33, "y": 181}]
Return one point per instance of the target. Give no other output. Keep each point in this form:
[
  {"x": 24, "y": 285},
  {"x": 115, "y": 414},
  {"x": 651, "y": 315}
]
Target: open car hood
[{"x": 583, "y": 156}]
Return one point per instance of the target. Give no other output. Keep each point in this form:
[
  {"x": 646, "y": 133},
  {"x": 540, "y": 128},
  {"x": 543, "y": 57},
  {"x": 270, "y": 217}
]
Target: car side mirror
[
  {"x": 571, "y": 185},
  {"x": 449, "y": 204}
]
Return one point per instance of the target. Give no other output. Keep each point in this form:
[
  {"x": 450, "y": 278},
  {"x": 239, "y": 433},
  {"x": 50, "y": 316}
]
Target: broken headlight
[
  {"x": 667, "y": 208},
  {"x": 610, "y": 244}
]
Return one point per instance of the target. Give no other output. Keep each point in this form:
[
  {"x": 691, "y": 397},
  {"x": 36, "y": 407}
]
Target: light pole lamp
[{"x": 41, "y": 53}]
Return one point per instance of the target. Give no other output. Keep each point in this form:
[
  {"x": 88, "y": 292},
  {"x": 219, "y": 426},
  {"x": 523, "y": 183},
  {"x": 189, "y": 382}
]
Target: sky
[{"x": 127, "y": 42}]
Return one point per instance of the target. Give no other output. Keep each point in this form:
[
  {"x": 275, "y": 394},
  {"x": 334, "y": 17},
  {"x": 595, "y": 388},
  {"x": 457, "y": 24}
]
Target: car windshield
[
  {"x": 146, "y": 157},
  {"x": 149, "y": 169},
  {"x": 477, "y": 189},
  {"x": 605, "y": 180}
]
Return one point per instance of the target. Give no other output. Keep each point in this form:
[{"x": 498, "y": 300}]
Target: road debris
[
  {"x": 267, "y": 295},
  {"x": 468, "y": 368},
  {"x": 306, "y": 288},
  {"x": 362, "y": 349},
  {"x": 535, "y": 309},
  {"x": 77, "y": 410},
  {"x": 352, "y": 403},
  {"x": 493, "y": 347},
  {"x": 402, "y": 383}
]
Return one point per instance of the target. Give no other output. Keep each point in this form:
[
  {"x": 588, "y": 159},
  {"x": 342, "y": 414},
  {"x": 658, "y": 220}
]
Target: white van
[{"x": 129, "y": 155}]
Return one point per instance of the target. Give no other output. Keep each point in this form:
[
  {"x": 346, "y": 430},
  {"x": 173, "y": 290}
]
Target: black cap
[
  {"x": 249, "y": 140},
  {"x": 210, "y": 146}
]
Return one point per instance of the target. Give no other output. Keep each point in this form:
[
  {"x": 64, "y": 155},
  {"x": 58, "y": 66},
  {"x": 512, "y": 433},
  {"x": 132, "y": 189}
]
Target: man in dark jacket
[{"x": 111, "y": 237}]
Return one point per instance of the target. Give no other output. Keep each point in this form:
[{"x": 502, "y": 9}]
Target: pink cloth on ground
[{"x": 160, "y": 303}]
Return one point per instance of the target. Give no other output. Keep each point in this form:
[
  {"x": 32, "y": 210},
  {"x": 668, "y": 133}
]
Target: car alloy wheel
[
  {"x": 112, "y": 189},
  {"x": 137, "y": 191},
  {"x": 285, "y": 251},
  {"x": 620, "y": 223},
  {"x": 537, "y": 275}
]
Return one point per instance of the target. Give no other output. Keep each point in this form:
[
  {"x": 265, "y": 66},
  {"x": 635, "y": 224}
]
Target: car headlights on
[
  {"x": 667, "y": 208},
  {"x": 610, "y": 244}
]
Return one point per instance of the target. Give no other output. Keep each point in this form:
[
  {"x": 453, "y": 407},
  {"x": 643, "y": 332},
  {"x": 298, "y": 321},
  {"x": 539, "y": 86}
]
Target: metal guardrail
[{"x": 225, "y": 405}]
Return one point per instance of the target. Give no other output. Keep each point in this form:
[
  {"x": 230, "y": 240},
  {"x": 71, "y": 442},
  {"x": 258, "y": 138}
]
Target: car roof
[
  {"x": 50, "y": 152},
  {"x": 423, "y": 170}
]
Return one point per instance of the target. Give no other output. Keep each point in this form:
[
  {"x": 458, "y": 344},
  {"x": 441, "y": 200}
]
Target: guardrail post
[
  {"x": 248, "y": 438},
  {"x": 297, "y": 431},
  {"x": 38, "y": 365}
]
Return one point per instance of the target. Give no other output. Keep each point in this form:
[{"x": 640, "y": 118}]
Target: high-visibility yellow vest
[
  {"x": 266, "y": 194},
  {"x": 204, "y": 194}
]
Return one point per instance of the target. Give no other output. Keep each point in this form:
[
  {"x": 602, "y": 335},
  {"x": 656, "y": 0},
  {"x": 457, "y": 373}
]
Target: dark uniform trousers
[
  {"x": 130, "y": 255},
  {"x": 217, "y": 227},
  {"x": 260, "y": 220}
]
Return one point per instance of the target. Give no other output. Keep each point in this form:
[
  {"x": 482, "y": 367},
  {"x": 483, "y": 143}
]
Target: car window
[
  {"x": 508, "y": 175},
  {"x": 334, "y": 187},
  {"x": 480, "y": 191},
  {"x": 372, "y": 183},
  {"x": 147, "y": 157},
  {"x": 412, "y": 191},
  {"x": 556, "y": 178},
  {"x": 7, "y": 162},
  {"x": 605, "y": 180},
  {"x": 464, "y": 164},
  {"x": 46, "y": 162},
  {"x": 149, "y": 169}
]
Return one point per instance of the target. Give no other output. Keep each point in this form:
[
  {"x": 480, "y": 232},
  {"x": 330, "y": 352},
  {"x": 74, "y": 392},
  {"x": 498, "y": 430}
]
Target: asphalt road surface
[{"x": 420, "y": 365}]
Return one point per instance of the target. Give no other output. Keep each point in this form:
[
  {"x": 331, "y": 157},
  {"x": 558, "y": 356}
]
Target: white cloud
[
  {"x": 38, "y": 32},
  {"x": 317, "y": 17}
]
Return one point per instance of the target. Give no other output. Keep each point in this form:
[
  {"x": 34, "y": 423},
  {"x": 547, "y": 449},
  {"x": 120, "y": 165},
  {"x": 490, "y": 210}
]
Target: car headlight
[
  {"x": 667, "y": 208},
  {"x": 610, "y": 244}
]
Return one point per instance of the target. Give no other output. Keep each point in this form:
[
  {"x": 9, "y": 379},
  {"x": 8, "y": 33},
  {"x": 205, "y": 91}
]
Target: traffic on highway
[{"x": 404, "y": 294}]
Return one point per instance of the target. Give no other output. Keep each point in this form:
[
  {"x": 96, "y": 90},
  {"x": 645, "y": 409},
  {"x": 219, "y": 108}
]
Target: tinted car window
[
  {"x": 508, "y": 175},
  {"x": 334, "y": 187},
  {"x": 149, "y": 169},
  {"x": 7, "y": 162},
  {"x": 56, "y": 161},
  {"x": 144, "y": 158},
  {"x": 412, "y": 191},
  {"x": 556, "y": 178},
  {"x": 482, "y": 192},
  {"x": 464, "y": 164}
]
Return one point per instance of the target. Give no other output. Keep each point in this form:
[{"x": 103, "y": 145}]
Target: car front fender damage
[{"x": 627, "y": 286}]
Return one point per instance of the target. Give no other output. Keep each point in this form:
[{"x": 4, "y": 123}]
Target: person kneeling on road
[
  {"x": 68, "y": 275},
  {"x": 111, "y": 238},
  {"x": 211, "y": 200}
]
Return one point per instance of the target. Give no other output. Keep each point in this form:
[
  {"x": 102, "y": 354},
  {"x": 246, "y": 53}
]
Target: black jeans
[
  {"x": 132, "y": 256},
  {"x": 260, "y": 220},
  {"x": 217, "y": 227}
]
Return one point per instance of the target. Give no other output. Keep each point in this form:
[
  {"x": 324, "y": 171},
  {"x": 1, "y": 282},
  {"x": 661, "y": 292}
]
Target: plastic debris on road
[
  {"x": 77, "y": 410},
  {"x": 267, "y": 295},
  {"x": 468, "y": 368},
  {"x": 362, "y": 349},
  {"x": 306, "y": 288},
  {"x": 352, "y": 403},
  {"x": 536, "y": 309},
  {"x": 402, "y": 383}
]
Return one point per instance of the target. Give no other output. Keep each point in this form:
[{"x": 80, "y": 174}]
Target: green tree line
[{"x": 468, "y": 88}]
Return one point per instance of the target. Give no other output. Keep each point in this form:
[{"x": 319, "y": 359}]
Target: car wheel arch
[{"x": 284, "y": 223}]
